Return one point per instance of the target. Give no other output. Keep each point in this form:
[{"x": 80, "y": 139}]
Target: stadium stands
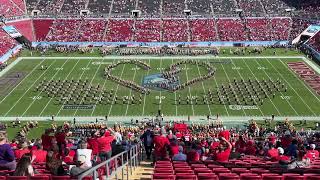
[
  {"x": 203, "y": 30},
  {"x": 315, "y": 42},
  {"x": 119, "y": 30},
  {"x": 64, "y": 30},
  {"x": 175, "y": 30},
  {"x": 12, "y": 8},
  {"x": 6, "y": 42},
  {"x": 42, "y": 27},
  {"x": 231, "y": 30},
  {"x": 25, "y": 27},
  {"x": 148, "y": 30}
]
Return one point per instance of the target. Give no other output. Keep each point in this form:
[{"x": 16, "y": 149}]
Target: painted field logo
[
  {"x": 240, "y": 107},
  {"x": 155, "y": 82},
  {"x": 82, "y": 107}
]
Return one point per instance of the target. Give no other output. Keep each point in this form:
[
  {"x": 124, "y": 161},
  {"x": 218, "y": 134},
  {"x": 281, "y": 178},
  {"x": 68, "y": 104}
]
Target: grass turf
[{"x": 24, "y": 101}]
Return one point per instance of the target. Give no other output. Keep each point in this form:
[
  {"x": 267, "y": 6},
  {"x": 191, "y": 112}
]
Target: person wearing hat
[
  {"x": 311, "y": 153},
  {"x": 80, "y": 167},
  {"x": 281, "y": 156}
]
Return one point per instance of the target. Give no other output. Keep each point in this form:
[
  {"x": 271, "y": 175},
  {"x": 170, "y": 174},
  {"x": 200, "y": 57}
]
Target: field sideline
[{"x": 23, "y": 101}]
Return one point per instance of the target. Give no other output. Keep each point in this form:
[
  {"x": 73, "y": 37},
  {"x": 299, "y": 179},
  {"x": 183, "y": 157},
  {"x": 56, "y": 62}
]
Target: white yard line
[
  {"x": 244, "y": 112},
  {"x": 291, "y": 87},
  {"x": 43, "y": 89},
  {"x": 145, "y": 95},
  {"x": 189, "y": 90},
  {"x": 175, "y": 95},
  {"x": 134, "y": 75},
  {"x": 64, "y": 79},
  {"x": 215, "y": 80},
  {"x": 115, "y": 93},
  {"x": 280, "y": 91},
  {"x": 24, "y": 78},
  {"x": 160, "y": 96},
  {"x": 104, "y": 83},
  {"x": 257, "y": 80},
  {"x": 315, "y": 68},
  {"x": 25, "y": 92},
  {"x": 204, "y": 90},
  {"x": 70, "y": 94},
  {"x": 89, "y": 85}
]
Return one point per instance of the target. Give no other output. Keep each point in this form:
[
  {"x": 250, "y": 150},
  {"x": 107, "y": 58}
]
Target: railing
[{"x": 126, "y": 161}]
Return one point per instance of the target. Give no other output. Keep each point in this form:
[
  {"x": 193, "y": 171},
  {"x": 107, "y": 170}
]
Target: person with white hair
[
  {"x": 312, "y": 153},
  {"x": 281, "y": 156},
  {"x": 180, "y": 156}
]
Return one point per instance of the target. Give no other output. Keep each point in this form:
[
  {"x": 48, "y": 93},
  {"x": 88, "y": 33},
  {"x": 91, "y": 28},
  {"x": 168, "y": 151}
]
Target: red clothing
[
  {"x": 174, "y": 150},
  {"x": 20, "y": 152},
  {"x": 105, "y": 143},
  {"x": 94, "y": 145},
  {"x": 285, "y": 142},
  {"x": 13, "y": 145},
  {"x": 283, "y": 158},
  {"x": 273, "y": 153},
  {"x": 272, "y": 139},
  {"x": 250, "y": 150},
  {"x": 70, "y": 157},
  {"x": 214, "y": 145},
  {"x": 61, "y": 138},
  {"x": 225, "y": 134},
  {"x": 223, "y": 156},
  {"x": 160, "y": 143},
  {"x": 311, "y": 154},
  {"x": 193, "y": 156},
  {"x": 40, "y": 155},
  {"x": 46, "y": 141}
]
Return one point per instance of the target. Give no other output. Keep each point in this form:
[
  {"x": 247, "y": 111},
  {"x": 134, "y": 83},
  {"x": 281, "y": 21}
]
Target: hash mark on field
[
  {"x": 257, "y": 79},
  {"x": 244, "y": 81},
  {"x": 280, "y": 91},
  {"x": 144, "y": 98},
  {"x": 89, "y": 85},
  {"x": 291, "y": 87},
  {"x": 64, "y": 79},
  {"x": 115, "y": 93},
  {"x": 70, "y": 94},
  {"x": 230, "y": 82},
  {"x": 43, "y": 89},
  {"x": 29, "y": 88},
  {"x": 21, "y": 81},
  {"x": 134, "y": 75}
]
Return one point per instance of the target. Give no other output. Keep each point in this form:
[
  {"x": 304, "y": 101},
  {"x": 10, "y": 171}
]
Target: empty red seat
[
  {"x": 207, "y": 176},
  {"x": 163, "y": 170},
  {"x": 198, "y": 166},
  {"x": 220, "y": 170},
  {"x": 312, "y": 177},
  {"x": 184, "y": 176},
  {"x": 39, "y": 177},
  {"x": 163, "y": 176},
  {"x": 271, "y": 177},
  {"x": 250, "y": 176},
  {"x": 2, "y": 178},
  {"x": 240, "y": 170},
  {"x": 17, "y": 178},
  {"x": 228, "y": 176},
  {"x": 214, "y": 166},
  {"x": 187, "y": 171},
  {"x": 60, "y": 177},
  {"x": 202, "y": 170},
  {"x": 292, "y": 177},
  {"x": 259, "y": 171}
]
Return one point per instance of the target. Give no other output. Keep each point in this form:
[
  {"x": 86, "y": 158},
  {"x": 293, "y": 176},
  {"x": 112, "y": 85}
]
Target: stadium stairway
[{"x": 143, "y": 172}]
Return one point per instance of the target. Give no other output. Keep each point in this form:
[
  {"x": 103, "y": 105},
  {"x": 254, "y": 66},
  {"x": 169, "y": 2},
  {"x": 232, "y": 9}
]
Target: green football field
[{"x": 22, "y": 100}]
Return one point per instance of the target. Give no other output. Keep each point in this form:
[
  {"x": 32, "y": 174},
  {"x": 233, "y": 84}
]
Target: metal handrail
[{"x": 129, "y": 160}]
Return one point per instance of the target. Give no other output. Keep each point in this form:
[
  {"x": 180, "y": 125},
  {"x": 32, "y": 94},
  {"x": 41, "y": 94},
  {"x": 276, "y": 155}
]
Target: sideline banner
[{"x": 12, "y": 31}]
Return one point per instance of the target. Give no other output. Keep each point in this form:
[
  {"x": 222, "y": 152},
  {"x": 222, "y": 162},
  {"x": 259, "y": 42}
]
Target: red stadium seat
[
  {"x": 187, "y": 171},
  {"x": 249, "y": 176},
  {"x": 2, "y": 178},
  {"x": 17, "y": 178},
  {"x": 271, "y": 177},
  {"x": 198, "y": 166},
  {"x": 228, "y": 176},
  {"x": 220, "y": 170},
  {"x": 39, "y": 177},
  {"x": 164, "y": 170},
  {"x": 163, "y": 176},
  {"x": 202, "y": 170},
  {"x": 207, "y": 176},
  {"x": 184, "y": 176},
  {"x": 214, "y": 166},
  {"x": 60, "y": 177},
  {"x": 292, "y": 177},
  {"x": 240, "y": 170}
]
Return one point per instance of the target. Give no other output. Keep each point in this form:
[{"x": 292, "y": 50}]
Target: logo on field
[
  {"x": 240, "y": 107},
  {"x": 158, "y": 82}
]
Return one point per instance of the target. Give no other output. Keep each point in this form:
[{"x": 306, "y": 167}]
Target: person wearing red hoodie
[
  {"x": 272, "y": 152},
  {"x": 312, "y": 154},
  {"x": 93, "y": 144},
  {"x": 39, "y": 154},
  {"x": 105, "y": 149},
  {"x": 223, "y": 153},
  {"x": 23, "y": 149}
]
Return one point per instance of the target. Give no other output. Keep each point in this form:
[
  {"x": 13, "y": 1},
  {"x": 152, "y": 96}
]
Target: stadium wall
[
  {"x": 10, "y": 53},
  {"x": 315, "y": 54}
]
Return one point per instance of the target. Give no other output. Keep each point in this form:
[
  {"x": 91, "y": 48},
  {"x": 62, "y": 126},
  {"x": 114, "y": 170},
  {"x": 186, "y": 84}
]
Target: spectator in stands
[
  {"x": 147, "y": 139},
  {"x": 312, "y": 153},
  {"x": 83, "y": 151},
  {"x": 54, "y": 165},
  {"x": 39, "y": 154},
  {"x": 23, "y": 149},
  {"x": 293, "y": 149},
  {"x": 180, "y": 156},
  {"x": 80, "y": 167},
  {"x": 7, "y": 158},
  {"x": 174, "y": 148},
  {"x": 223, "y": 153},
  {"x": 281, "y": 157},
  {"x": 46, "y": 139},
  {"x": 93, "y": 144},
  {"x": 61, "y": 140},
  {"x": 193, "y": 154},
  {"x": 24, "y": 167},
  {"x": 161, "y": 143},
  {"x": 272, "y": 152},
  {"x": 105, "y": 140}
]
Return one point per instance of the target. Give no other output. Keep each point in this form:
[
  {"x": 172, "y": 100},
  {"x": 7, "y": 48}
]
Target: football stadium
[{"x": 168, "y": 89}]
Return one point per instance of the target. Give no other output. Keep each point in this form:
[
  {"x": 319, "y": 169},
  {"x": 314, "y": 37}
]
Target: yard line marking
[
  {"x": 204, "y": 91},
  {"x": 116, "y": 90},
  {"x": 29, "y": 88},
  {"x": 64, "y": 79},
  {"x": 89, "y": 85},
  {"x": 160, "y": 100},
  {"x": 21, "y": 81},
  {"x": 305, "y": 85},
  {"x": 215, "y": 80},
  {"x": 145, "y": 95},
  {"x": 104, "y": 83},
  {"x": 244, "y": 81},
  {"x": 292, "y": 87},
  {"x": 229, "y": 83},
  {"x": 280, "y": 92},
  {"x": 134, "y": 75},
  {"x": 43, "y": 89},
  {"x": 70, "y": 94},
  {"x": 257, "y": 79},
  {"x": 175, "y": 95},
  {"x": 186, "y": 69}
]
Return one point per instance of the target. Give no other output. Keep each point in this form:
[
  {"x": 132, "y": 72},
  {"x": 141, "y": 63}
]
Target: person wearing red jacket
[
  {"x": 93, "y": 144},
  {"x": 105, "y": 149},
  {"x": 223, "y": 153}
]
